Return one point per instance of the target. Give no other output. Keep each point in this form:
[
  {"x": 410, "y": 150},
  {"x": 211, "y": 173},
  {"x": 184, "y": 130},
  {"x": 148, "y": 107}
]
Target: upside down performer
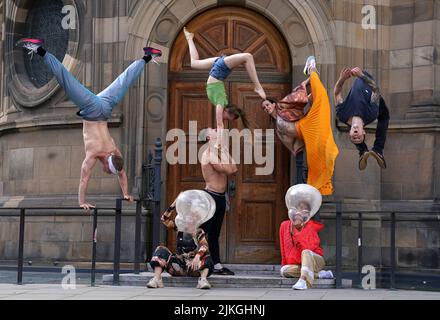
[
  {"x": 221, "y": 68},
  {"x": 312, "y": 130},
  {"x": 363, "y": 105},
  {"x": 95, "y": 111}
]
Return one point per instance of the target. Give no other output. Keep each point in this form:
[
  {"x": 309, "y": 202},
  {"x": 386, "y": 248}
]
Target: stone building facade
[{"x": 41, "y": 148}]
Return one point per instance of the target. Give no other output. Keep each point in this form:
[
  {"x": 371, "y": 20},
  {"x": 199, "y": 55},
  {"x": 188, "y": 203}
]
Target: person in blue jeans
[
  {"x": 363, "y": 105},
  {"x": 95, "y": 109}
]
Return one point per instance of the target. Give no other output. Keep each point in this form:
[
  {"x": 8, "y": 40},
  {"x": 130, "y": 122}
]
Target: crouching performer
[
  {"x": 301, "y": 254},
  {"x": 192, "y": 259}
]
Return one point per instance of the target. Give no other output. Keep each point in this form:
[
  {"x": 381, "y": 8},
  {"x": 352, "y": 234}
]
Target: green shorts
[{"x": 217, "y": 94}]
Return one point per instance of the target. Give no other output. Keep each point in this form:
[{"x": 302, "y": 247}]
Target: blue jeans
[
  {"x": 94, "y": 107},
  {"x": 220, "y": 70}
]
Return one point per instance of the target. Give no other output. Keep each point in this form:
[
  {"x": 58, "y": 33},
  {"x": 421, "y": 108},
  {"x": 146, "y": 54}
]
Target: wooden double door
[{"x": 250, "y": 230}]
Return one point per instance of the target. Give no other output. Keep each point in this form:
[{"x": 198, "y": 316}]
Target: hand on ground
[{"x": 87, "y": 206}]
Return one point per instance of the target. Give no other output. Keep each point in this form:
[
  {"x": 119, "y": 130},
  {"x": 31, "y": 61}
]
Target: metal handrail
[
  {"x": 360, "y": 218},
  {"x": 22, "y": 215}
]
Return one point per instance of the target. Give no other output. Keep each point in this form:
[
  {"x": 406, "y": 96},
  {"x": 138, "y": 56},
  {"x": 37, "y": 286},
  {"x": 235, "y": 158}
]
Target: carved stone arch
[{"x": 313, "y": 17}]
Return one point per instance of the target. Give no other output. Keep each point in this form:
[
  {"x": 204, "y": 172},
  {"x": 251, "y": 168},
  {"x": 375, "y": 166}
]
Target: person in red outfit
[{"x": 301, "y": 252}]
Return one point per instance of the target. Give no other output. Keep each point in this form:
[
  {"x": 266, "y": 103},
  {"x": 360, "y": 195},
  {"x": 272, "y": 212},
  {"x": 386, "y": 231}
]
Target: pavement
[{"x": 101, "y": 292}]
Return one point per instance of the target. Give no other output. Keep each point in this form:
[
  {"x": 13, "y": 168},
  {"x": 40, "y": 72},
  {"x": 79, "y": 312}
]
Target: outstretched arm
[
  {"x": 345, "y": 75},
  {"x": 123, "y": 182},
  {"x": 86, "y": 173},
  {"x": 219, "y": 117},
  {"x": 375, "y": 97}
]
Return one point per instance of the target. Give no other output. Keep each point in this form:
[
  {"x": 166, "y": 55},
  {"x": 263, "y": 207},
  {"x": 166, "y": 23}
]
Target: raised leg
[
  {"x": 76, "y": 92},
  {"x": 115, "y": 92},
  {"x": 382, "y": 127},
  {"x": 248, "y": 60},
  {"x": 196, "y": 63}
]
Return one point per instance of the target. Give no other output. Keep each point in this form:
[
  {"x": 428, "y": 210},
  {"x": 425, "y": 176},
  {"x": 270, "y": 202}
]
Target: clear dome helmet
[
  {"x": 194, "y": 208},
  {"x": 303, "y": 201}
]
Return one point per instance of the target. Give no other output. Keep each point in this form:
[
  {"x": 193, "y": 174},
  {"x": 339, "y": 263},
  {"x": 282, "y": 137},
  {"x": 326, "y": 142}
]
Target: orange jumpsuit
[{"x": 316, "y": 132}]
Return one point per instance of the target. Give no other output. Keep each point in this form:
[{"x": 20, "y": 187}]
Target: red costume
[{"x": 292, "y": 246}]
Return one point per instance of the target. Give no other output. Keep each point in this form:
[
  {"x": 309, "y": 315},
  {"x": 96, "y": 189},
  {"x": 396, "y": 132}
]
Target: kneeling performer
[{"x": 192, "y": 259}]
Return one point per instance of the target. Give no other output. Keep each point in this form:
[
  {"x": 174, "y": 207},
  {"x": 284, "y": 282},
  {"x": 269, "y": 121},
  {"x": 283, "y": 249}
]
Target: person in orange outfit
[
  {"x": 314, "y": 129},
  {"x": 301, "y": 252}
]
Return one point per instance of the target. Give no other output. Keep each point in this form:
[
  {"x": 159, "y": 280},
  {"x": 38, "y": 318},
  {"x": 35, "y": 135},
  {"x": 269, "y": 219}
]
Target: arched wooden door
[{"x": 250, "y": 230}]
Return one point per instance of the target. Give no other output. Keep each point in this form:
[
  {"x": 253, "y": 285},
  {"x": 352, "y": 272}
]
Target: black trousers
[
  {"x": 383, "y": 121},
  {"x": 213, "y": 227}
]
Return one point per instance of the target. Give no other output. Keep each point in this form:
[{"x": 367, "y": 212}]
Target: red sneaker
[
  {"x": 149, "y": 51},
  {"x": 30, "y": 44}
]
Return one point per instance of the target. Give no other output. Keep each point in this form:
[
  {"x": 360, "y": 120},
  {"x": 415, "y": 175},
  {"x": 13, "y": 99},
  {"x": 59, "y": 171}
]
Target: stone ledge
[
  {"x": 407, "y": 126},
  {"x": 237, "y": 281},
  {"x": 58, "y": 121},
  {"x": 62, "y": 202}
]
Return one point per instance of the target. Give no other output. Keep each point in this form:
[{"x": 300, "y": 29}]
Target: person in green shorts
[{"x": 221, "y": 68}]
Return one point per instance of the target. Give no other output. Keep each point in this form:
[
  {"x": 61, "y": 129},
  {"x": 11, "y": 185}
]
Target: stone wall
[
  {"x": 417, "y": 243},
  {"x": 41, "y": 163}
]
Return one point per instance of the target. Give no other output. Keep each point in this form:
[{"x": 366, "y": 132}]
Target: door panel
[
  {"x": 259, "y": 200},
  {"x": 250, "y": 230}
]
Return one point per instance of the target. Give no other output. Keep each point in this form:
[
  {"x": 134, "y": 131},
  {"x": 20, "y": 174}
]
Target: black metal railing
[
  {"x": 394, "y": 216},
  {"x": 150, "y": 199}
]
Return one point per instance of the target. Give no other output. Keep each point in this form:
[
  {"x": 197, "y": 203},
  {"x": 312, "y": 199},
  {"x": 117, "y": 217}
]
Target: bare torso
[
  {"x": 215, "y": 181},
  {"x": 288, "y": 135},
  {"x": 286, "y": 128},
  {"x": 97, "y": 139}
]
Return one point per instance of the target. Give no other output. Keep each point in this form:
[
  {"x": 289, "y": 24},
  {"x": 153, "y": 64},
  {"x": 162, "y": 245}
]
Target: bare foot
[
  {"x": 260, "y": 91},
  {"x": 188, "y": 35}
]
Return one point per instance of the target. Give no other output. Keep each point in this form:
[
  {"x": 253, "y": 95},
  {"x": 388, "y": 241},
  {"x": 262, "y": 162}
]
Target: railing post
[
  {"x": 21, "y": 248},
  {"x": 393, "y": 252},
  {"x": 137, "y": 237},
  {"x": 94, "y": 241},
  {"x": 360, "y": 244},
  {"x": 117, "y": 253},
  {"x": 338, "y": 245},
  {"x": 157, "y": 193}
]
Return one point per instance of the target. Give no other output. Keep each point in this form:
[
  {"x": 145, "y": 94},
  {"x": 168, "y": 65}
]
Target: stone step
[{"x": 240, "y": 280}]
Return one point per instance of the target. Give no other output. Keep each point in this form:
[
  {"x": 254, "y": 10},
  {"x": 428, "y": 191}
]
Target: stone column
[{"x": 425, "y": 104}]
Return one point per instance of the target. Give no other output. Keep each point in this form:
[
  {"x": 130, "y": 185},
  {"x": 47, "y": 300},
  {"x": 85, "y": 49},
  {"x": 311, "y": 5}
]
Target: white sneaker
[
  {"x": 155, "y": 283},
  {"x": 325, "y": 274},
  {"x": 29, "y": 44},
  {"x": 300, "y": 285},
  {"x": 203, "y": 284}
]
